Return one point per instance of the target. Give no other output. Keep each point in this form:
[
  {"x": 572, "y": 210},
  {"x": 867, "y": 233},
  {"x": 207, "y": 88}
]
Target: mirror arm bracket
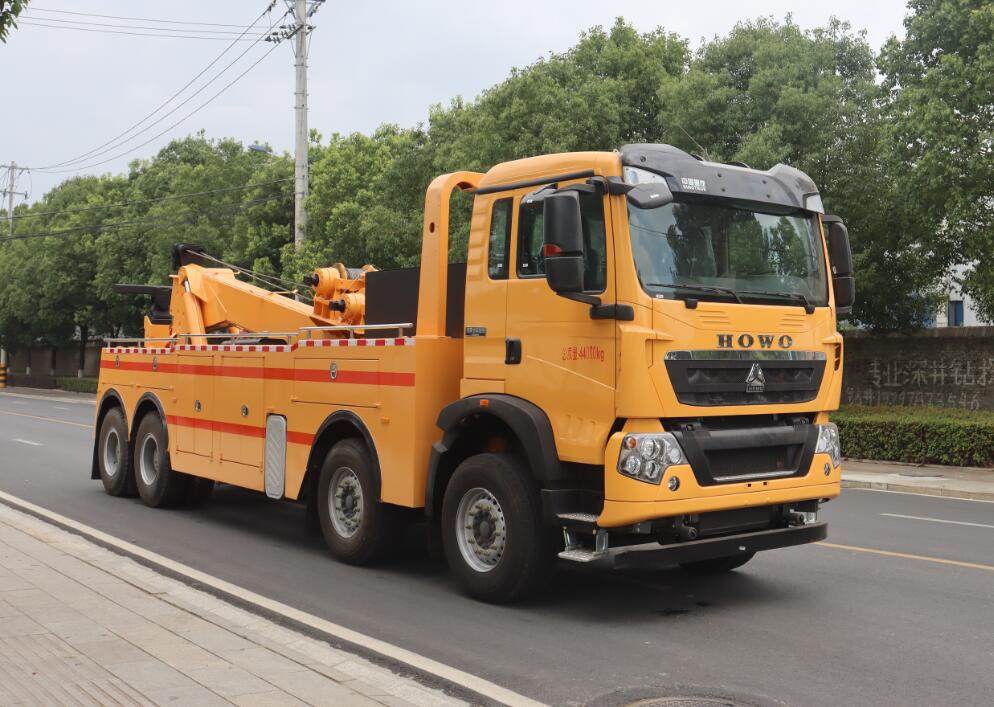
[{"x": 619, "y": 312}]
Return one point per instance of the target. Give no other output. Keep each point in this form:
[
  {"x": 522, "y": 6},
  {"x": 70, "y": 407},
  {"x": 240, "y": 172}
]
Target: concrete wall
[
  {"x": 40, "y": 361},
  {"x": 946, "y": 367}
]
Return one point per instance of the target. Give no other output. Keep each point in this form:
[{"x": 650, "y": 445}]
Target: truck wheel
[
  {"x": 357, "y": 527},
  {"x": 492, "y": 530},
  {"x": 114, "y": 455},
  {"x": 718, "y": 564},
  {"x": 158, "y": 485}
]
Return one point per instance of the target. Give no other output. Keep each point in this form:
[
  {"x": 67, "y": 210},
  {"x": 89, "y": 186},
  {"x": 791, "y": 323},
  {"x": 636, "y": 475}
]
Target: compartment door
[
  {"x": 193, "y": 424},
  {"x": 241, "y": 420}
]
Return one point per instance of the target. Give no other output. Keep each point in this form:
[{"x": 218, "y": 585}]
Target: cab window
[
  {"x": 500, "y": 237},
  {"x": 531, "y": 262}
]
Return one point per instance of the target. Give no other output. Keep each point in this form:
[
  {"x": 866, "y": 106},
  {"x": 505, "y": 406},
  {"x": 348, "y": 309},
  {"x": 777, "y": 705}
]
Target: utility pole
[
  {"x": 10, "y": 193},
  {"x": 300, "y": 171},
  {"x": 12, "y": 171}
]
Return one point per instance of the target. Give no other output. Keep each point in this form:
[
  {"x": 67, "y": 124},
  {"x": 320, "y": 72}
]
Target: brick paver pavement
[{"x": 82, "y": 625}]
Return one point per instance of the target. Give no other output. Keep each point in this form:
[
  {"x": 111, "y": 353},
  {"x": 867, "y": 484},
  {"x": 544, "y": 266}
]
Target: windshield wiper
[
  {"x": 795, "y": 296},
  {"x": 699, "y": 288}
]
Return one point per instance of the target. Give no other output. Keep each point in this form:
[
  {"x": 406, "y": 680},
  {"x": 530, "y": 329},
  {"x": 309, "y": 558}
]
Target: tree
[
  {"x": 940, "y": 84},
  {"x": 9, "y": 10},
  {"x": 771, "y": 92}
]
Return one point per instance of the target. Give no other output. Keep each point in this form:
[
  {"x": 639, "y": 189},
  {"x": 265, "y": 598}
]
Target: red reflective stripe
[
  {"x": 235, "y": 428},
  {"x": 307, "y": 375},
  {"x": 300, "y": 438}
]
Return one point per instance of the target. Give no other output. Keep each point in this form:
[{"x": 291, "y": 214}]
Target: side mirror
[
  {"x": 840, "y": 260},
  {"x": 650, "y": 195},
  {"x": 563, "y": 235}
]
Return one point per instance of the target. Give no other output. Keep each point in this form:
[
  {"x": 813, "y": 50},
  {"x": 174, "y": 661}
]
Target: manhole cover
[{"x": 687, "y": 702}]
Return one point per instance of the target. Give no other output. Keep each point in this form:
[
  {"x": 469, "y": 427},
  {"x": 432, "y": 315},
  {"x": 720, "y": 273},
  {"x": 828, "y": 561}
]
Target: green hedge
[
  {"x": 918, "y": 435},
  {"x": 77, "y": 385}
]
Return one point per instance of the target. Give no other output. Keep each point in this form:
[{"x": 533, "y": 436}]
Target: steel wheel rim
[
  {"x": 112, "y": 453},
  {"x": 481, "y": 530},
  {"x": 345, "y": 502},
  {"x": 148, "y": 459}
]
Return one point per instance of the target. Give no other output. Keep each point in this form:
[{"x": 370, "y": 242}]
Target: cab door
[
  {"x": 565, "y": 360},
  {"x": 486, "y": 294}
]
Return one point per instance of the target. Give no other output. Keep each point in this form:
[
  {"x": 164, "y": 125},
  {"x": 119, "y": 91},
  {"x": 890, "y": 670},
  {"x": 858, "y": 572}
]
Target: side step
[{"x": 576, "y": 552}]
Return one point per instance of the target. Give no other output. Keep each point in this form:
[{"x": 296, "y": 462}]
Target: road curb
[{"x": 919, "y": 490}]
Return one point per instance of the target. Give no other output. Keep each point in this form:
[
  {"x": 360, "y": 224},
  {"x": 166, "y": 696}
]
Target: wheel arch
[
  {"x": 111, "y": 399},
  {"x": 339, "y": 425},
  {"x": 470, "y": 423},
  {"x": 147, "y": 403}
]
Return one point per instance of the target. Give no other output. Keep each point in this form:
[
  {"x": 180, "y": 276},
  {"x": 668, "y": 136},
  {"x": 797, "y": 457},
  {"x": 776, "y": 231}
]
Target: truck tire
[
  {"x": 158, "y": 485},
  {"x": 114, "y": 455},
  {"x": 718, "y": 564},
  {"x": 495, "y": 541},
  {"x": 357, "y": 527}
]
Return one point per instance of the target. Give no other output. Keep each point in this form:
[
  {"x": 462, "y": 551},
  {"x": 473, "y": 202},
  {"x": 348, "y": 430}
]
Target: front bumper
[{"x": 646, "y": 556}]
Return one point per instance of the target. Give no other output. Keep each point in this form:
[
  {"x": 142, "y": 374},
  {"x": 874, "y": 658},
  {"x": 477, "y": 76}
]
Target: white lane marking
[
  {"x": 402, "y": 655},
  {"x": 854, "y": 489},
  {"x": 48, "y": 398},
  {"x": 938, "y": 520},
  {"x": 60, "y": 407},
  {"x": 27, "y": 441}
]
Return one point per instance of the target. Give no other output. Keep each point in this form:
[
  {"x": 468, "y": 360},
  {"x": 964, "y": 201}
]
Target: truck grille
[
  {"x": 733, "y": 450},
  {"x": 712, "y": 378}
]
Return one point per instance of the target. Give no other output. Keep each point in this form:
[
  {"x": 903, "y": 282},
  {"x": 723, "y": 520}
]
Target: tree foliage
[
  {"x": 9, "y": 10},
  {"x": 906, "y": 162}
]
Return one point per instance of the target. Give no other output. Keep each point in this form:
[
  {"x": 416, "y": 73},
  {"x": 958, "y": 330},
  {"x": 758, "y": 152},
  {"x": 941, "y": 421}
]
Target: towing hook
[{"x": 686, "y": 532}]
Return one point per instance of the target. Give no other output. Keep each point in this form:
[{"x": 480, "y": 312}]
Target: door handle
[{"x": 512, "y": 350}]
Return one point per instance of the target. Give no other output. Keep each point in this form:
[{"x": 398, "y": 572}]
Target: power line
[
  {"x": 78, "y": 23},
  {"x": 89, "y": 230},
  {"x": 152, "y": 201},
  {"x": 91, "y": 153},
  {"x": 134, "y": 34},
  {"x": 34, "y": 8},
  {"x": 160, "y": 134}
]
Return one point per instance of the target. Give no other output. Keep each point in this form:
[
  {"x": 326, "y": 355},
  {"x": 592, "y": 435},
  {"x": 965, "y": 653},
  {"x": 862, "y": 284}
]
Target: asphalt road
[{"x": 814, "y": 625}]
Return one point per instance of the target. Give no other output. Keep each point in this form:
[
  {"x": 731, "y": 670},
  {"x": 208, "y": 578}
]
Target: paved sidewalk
[
  {"x": 950, "y": 481},
  {"x": 51, "y": 394},
  {"x": 82, "y": 625}
]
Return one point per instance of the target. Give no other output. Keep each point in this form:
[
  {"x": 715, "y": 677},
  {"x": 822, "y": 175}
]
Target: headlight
[
  {"x": 646, "y": 457},
  {"x": 828, "y": 442}
]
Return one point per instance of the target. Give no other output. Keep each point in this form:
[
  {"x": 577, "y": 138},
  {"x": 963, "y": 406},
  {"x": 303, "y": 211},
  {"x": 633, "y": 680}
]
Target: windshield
[{"x": 729, "y": 251}]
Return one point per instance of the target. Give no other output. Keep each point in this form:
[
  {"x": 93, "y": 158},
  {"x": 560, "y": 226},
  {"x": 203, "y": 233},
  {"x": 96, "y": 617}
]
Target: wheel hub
[
  {"x": 481, "y": 530},
  {"x": 112, "y": 453},
  {"x": 148, "y": 464},
  {"x": 345, "y": 502}
]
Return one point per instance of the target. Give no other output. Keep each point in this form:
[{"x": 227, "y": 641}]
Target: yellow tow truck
[{"x": 636, "y": 365}]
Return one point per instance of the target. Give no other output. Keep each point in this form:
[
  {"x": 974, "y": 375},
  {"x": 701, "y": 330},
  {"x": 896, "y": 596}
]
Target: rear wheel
[
  {"x": 718, "y": 564},
  {"x": 495, "y": 541},
  {"x": 158, "y": 485},
  {"x": 114, "y": 455},
  {"x": 357, "y": 527}
]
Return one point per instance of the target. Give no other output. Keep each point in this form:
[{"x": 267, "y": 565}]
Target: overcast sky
[{"x": 66, "y": 92}]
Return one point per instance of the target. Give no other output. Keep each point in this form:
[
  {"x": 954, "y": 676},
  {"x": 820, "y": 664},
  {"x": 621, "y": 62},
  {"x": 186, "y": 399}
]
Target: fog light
[{"x": 674, "y": 483}]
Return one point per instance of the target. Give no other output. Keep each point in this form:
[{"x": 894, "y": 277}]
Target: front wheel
[
  {"x": 492, "y": 531},
  {"x": 718, "y": 564}
]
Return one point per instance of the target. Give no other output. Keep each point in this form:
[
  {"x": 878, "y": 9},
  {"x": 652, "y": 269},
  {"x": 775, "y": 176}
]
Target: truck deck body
[{"x": 253, "y": 391}]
